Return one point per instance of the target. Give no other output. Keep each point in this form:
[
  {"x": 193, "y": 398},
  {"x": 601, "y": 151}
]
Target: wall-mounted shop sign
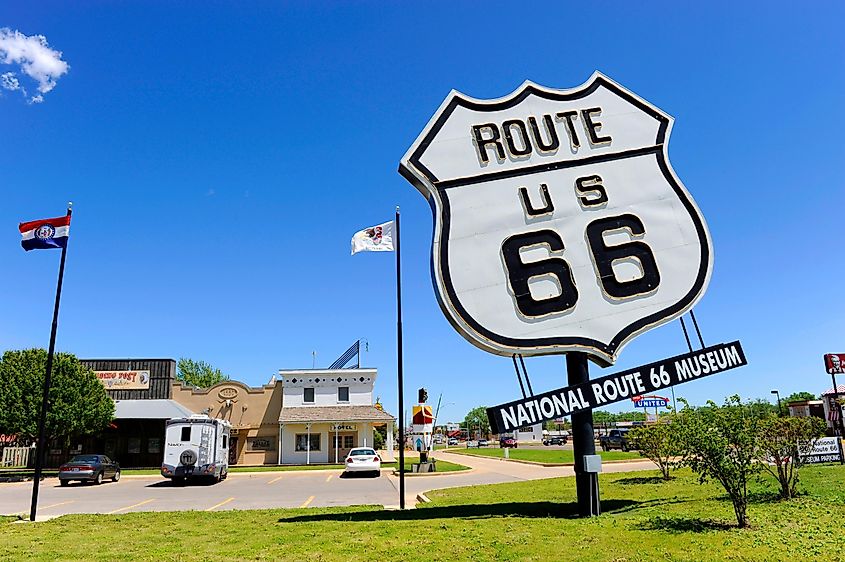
[
  {"x": 613, "y": 388},
  {"x": 344, "y": 427},
  {"x": 559, "y": 222},
  {"x": 124, "y": 380},
  {"x": 261, "y": 444}
]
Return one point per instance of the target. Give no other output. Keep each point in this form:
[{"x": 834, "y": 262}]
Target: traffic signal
[{"x": 423, "y": 396}]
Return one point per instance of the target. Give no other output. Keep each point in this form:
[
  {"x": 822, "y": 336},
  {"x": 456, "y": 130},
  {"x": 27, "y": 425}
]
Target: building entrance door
[
  {"x": 341, "y": 445},
  {"x": 233, "y": 449}
]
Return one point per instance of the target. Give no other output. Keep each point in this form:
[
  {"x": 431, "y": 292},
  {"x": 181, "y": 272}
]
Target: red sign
[{"x": 835, "y": 363}]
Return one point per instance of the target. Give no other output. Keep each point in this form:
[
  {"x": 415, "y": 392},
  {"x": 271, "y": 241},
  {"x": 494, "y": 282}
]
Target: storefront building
[
  {"x": 253, "y": 413},
  {"x": 326, "y": 413},
  {"x": 141, "y": 390}
]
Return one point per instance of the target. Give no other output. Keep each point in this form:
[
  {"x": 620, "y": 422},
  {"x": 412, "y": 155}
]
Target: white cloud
[
  {"x": 9, "y": 81},
  {"x": 34, "y": 57}
]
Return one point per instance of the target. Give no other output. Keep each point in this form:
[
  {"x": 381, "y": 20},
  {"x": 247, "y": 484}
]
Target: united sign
[{"x": 559, "y": 222}]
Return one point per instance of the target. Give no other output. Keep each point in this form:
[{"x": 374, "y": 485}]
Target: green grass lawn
[
  {"x": 644, "y": 519},
  {"x": 543, "y": 455}
]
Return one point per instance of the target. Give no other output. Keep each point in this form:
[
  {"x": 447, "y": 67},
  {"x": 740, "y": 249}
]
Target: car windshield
[
  {"x": 361, "y": 452},
  {"x": 85, "y": 458}
]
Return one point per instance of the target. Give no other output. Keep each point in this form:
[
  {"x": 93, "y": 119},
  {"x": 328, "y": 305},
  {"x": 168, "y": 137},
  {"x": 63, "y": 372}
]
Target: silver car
[
  {"x": 363, "y": 459},
  {"x": 89, "y": 468}
]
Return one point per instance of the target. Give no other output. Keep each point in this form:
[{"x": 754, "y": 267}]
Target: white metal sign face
[{"x": 559, "y": 222}]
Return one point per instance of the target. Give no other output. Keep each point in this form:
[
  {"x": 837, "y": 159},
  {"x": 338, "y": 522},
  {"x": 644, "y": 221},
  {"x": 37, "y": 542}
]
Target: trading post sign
[
  {"x": 616, "y": 387},
  {"x": 559, "y": 223},
  {"x": 124, "y": 380}
]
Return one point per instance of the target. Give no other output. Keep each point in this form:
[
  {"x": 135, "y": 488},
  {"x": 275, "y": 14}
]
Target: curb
[
  {"x": 421, "y": 497},
  {"x": 446, "y": 473}
]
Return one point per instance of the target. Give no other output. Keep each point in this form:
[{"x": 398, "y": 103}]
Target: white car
[{"x": 363, "y": 459}]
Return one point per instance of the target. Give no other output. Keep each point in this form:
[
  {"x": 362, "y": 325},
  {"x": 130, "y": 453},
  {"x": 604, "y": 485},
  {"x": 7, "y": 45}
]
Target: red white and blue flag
[{"x": 45, "y": 233}]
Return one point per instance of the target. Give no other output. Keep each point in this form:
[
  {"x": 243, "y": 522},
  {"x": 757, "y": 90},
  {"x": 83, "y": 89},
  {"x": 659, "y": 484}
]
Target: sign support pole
[
  {"x": 45, "y": 398},
  {"x": 583, "y": 440},
  {"x": 399, "y": 366}
]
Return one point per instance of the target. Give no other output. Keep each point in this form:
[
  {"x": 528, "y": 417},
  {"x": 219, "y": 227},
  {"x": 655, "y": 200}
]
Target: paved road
[{"x": 270, "y": 489}]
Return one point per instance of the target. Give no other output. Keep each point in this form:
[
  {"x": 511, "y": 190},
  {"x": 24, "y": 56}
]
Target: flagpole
[
  {"x": 399, "y": 366},
  {"x": 42, "y": 420}
]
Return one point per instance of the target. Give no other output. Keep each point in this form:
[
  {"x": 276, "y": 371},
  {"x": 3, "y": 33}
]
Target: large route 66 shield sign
[{"x": 559, "y": 222}]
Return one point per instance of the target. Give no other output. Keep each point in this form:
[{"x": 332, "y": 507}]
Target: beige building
[{"x": 253, "y": 413}]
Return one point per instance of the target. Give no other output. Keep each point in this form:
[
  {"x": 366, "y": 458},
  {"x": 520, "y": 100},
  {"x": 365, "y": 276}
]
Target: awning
[
  {"x": 311, "y": 414},
  {"x": 149, "y": 410}
]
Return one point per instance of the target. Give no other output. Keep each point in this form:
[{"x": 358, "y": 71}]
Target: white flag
[{"x": 374, "y": 239}]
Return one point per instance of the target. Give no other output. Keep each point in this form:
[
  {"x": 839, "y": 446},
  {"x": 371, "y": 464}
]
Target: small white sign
[
  {"x": 559, "y": 222},
  {"x": 825, "y": 449}
]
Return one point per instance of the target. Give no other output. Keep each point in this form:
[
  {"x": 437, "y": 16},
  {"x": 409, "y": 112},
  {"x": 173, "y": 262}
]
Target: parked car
[
  {"x": 555, "y": 440},
  {"x": 89, "y": 468},
  {"x": 617, "y": 439},
  {"x": 453, "y": 441},
  {"x": 483, "y": 442},
  {"x": 196, "y": 447},
  {"x": 471, "y": 444},
  {"x": 508, "y": 443},
  {"x": 363, "y": 459}
]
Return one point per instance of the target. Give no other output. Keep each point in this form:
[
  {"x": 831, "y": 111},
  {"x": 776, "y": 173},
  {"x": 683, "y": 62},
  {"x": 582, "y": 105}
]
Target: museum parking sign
[{"x": 559, "y": 223}]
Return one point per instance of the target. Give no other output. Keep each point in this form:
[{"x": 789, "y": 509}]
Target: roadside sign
[
  {"x": 834, "y": 363},
  {"x": 560, "y": 225},
  {"x": 616, "y": 387},
  {"x": 650, "y": 402},
  {"x": 825, "y": 449}
]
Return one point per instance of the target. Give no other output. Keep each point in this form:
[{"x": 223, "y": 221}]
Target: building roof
[
  {"x": 149, "y": 410},
  {"x": 306, "y": 414},
  {"x": 840, "y": 389}
]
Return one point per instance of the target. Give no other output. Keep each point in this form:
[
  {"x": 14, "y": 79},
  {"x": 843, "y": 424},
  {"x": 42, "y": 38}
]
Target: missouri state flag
[{"x": 45, "y": 233}]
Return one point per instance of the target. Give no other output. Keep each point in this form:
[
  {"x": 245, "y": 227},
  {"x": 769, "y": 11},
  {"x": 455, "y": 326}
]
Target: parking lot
[{"x": 268, "y": 489}]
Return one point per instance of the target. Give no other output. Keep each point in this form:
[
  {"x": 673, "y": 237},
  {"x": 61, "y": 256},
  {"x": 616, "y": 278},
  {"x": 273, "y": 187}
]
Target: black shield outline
[{"x": 435, "y": 190}]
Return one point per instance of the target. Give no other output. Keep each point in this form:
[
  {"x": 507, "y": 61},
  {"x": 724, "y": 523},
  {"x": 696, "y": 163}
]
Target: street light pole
[{"x": 775, "y": 392}]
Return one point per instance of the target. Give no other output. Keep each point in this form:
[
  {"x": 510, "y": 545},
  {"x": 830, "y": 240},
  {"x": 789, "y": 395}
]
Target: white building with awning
[{"x": 325, "y": 413}]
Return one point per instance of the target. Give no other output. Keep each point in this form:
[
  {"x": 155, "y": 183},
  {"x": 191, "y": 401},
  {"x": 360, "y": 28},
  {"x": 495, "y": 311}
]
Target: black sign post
[{"x": 583, "y": 440}]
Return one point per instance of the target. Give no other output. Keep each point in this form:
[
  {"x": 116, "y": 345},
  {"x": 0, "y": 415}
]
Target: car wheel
[
  {"x": 64, "y": 482},
  {"x": 179, "y": 481},
  {"x": 116, "y": 477},
  {"x": 624, "y": 448},
  {"x": 604, "y": 447},
  {"x": 98, "y": 479}
]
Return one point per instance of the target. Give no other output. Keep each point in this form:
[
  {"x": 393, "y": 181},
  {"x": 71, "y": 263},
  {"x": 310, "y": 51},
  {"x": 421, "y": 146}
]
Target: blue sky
[{"x": 220, "y": 157}]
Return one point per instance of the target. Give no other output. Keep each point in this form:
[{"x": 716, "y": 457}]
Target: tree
[
  {"x": 658, "y": 443},
  {"x": 799, "y": 397},
  {"x": 78, "y": 401},
  {"x": 718, "y": 442},
  {"x": 780, "y": 444},
  {"x": 198, "y": 373},
  {"x": 476, "y": 420}
]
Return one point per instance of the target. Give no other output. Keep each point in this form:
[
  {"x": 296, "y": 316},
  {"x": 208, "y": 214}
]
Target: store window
[
  {"x": 309, "y": 395},
  {"x": 343, "y": 394},
  {"x": 302, "y": 442},
  {"x": 154, "y": 445},
  {"x": 133, "y": 446}
]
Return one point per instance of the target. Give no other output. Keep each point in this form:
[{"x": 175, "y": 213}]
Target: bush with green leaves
[
  {"x": 658, "y": 442},
  {"x": 781, "y": 444},
  {"x": 78, "y": 401},
  {"x": 719, "y": 443}
]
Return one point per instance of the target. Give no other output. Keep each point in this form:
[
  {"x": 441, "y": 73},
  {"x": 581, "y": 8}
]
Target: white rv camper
[{"x": 196, "y": 447}]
